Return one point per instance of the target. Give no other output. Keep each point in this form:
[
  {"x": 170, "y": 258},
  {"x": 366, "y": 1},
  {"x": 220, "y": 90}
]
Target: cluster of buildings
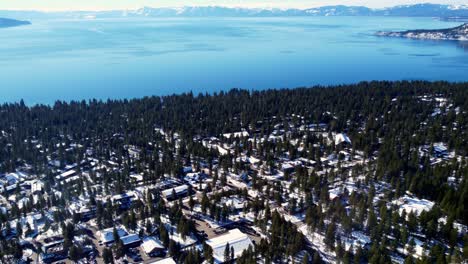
[{"x": 41, "y": 225}]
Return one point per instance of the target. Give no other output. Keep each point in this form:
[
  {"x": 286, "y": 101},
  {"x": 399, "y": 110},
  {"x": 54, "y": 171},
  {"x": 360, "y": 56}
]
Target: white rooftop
[
  {"x": 129, "y": 195},
  {"x": 340, "y": 138},
  {"x": 150, "y": 244},
  {"x": 412, "y": 204},
  {"x": 236, "y": 239},
  {"x": 164, "y": 261},
  {"x": 236, "y": 134},
  {"x": 177, "y": 190},
  {"x": 107, "y": 235},
  {"x": 65, "y": 174}
]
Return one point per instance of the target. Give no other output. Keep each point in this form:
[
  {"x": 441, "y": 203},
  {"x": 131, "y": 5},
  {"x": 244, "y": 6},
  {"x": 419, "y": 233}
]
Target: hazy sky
[{"x": 132, "y": 4}]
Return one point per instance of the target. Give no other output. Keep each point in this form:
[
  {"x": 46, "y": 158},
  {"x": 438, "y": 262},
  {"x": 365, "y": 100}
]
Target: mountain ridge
[{"x": 417, "y": 10}]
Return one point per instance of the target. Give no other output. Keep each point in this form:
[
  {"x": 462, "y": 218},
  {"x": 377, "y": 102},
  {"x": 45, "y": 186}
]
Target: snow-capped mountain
[
  {"x": 210, "y": 11},
  {"x": 339, "y": 10},
  {"x": 419, "y": 10},
  {"x": 457, "y": 33},
  {"x": 424, "y": 10}
]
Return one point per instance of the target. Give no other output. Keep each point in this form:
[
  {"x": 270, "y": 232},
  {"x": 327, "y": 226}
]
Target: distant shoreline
[
  {"x": 7, "y": 22},
  {"x": 459, "y": 33}
]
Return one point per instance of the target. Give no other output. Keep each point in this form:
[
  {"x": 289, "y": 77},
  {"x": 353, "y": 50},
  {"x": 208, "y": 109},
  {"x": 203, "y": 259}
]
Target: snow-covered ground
[{"x": 316, "y": 240}]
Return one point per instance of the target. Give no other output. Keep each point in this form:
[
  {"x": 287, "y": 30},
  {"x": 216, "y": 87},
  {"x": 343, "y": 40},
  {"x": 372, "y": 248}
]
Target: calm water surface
[{"x": 127, "y": 58}]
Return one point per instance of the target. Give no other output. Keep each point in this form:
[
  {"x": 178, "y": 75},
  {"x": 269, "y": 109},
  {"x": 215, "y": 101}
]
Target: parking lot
[{"x": 204, "y": 228}]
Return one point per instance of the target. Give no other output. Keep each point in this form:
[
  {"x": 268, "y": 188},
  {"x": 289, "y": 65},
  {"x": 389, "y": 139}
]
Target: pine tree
[
  {"x": 74, "y": 253},
  {"x": 358, "y": 255},
  {"x": 107, "y": 256},
  {"x": 191, "y": 203},
  {"x": 232, "y": 258},
  {"x": 305, "y": 258},
  {"x": 330, "y": 235},
  {"x": 208, "y": 253},
  {"x": 411, "y": 247},
  {"x": 19, "y": 229},
  {"x": 119, "y": 249},
  {"x": 227, "y": 253}
]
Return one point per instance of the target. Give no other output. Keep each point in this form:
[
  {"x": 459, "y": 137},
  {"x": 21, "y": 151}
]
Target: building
[
  {"x": 236, "y": 239},
  {"x": 53, "y": 246},
  {"x": 66, "y": 175},
  {"x": 164, "y": 261},
  {"x": 134, "y": 152},
  {"x": 179, "y": 191},
  {"x": 287, "y": 167},
  {"x": 342, "y": 138},
  {"x": 440, "y": 150},
  {"x": 131, "y": 240},
  {"x": 83, "y": 211},
  {"x": 106, "y": 236},
  {"x": 52, "y": 250},
  {"x": 125, "y": 200},
  {"x": 37, "y": 186},
  {"x": 241, "y": 134},
  {"x": 35, "y": 221},
  {"x": 236, "y": 204},
  {"x": 153, "y": 247}
]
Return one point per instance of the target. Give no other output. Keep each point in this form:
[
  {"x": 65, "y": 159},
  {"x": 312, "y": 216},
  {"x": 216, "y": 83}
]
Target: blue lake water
[{"x": 127, "y": 58}]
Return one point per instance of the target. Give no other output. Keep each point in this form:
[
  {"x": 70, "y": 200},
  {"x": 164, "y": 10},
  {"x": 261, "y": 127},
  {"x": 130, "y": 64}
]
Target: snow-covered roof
[
  {"x": 334, "y": 193},
  {"x": 233, "y": 202},
  {"x": 236, "y": 239},
  {"x": 177, "y": 190},
  {"x": 221, "y": 150},
  {"x": 137, "y": 177},
  {"x": 287, "y": 166},
  {"x": 150, "y": 244},
  {"x": 415, "y": 205},
  {"x": 65, "y": 174},
  {"x": 107, "y": 235},
  {"x": 127, "y": 195},
  {"x": 341, "y": 137},
  {"x": 37, "y": 186},
  {"x": 12, "y": 178},
  {"x": 253, "y": 160},
  {"x": 236, "y": 134},
  {"x": 440, "y": 147},
  {"x": 164, "y": 261},
  {"x": 132, "y": 238}
]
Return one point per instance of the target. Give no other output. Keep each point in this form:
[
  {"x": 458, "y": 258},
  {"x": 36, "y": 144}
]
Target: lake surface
[{"x": 127, "y": 58}]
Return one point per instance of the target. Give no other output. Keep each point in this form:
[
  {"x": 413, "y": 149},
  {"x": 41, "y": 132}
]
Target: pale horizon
[{"x": 107, "y": 5}]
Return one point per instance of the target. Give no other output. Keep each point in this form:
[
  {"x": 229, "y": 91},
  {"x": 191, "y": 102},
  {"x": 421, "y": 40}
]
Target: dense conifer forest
[{"x": 387, "y": 122}]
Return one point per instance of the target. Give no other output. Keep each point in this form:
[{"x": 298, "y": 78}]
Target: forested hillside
[{"x": 407, "y": 139}]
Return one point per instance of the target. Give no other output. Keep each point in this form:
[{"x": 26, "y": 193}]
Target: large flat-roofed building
[
  {"x": 179, "y": 191},
  {"x": 236, "y": 239},
  {"x": 107, "y": 235},
  {"x": 131, "y": 240},
  {"x": 124, "y": 200}
]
